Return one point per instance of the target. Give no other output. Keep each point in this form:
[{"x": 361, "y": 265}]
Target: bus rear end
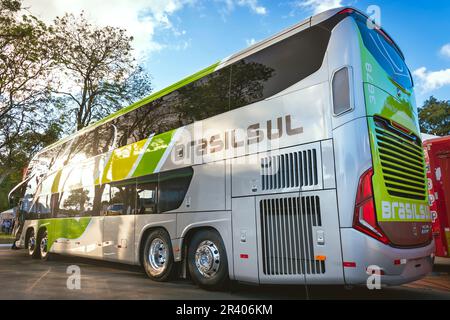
[{"x": 384, "y": 214}]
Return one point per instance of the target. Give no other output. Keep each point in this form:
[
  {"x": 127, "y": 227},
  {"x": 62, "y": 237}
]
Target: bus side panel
[
  {"x": 118, "y": 238},
  {"x": 245, "y": 245},
  {"x": 89, "y": 244},
  {"x": 297, "y": 228},
  {"x": 352, "y": 157},
  {"x": 343, "y": 50}
]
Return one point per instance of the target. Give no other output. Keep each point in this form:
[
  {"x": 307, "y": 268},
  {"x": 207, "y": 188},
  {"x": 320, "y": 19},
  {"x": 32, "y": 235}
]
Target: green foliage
[
  {"x": 56, "y": 79},
  {"x": 96, "y": 68},
  {"x": 434, "y": 117}
]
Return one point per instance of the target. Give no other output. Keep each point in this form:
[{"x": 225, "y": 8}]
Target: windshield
[{"x": 385, "y": 53}]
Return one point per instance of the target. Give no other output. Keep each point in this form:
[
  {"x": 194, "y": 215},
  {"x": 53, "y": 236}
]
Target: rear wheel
[
  {"x": 158, "y": 256},
  {"x": 207, "y": 260},
  {"x": 33, "y": 250},
  {"x": 43, "y": 245}
]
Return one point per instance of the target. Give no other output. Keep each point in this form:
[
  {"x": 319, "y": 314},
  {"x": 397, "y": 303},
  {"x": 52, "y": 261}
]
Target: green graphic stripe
[
  {"x": 154, "y": 153},
  {"x": 68, "y": 228}
]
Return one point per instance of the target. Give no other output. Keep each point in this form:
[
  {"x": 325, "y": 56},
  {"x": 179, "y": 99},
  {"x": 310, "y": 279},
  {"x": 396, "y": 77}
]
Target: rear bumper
[{"x": 366, "y": 251}]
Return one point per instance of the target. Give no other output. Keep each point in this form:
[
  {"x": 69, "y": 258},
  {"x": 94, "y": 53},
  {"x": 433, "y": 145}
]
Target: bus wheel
[
  {"x": 207, "y": 260},
  {"x": 158, "y": 256},
  {"x": 33, "y": 250},
  {"x": 43, "y": 244}
]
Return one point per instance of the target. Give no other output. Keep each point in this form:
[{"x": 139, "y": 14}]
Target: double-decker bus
[{"x": 295, "y": 161}]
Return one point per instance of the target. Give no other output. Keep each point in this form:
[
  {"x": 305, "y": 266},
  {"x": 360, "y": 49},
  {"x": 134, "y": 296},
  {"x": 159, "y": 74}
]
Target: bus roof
[{"x": 303, "y": 25}]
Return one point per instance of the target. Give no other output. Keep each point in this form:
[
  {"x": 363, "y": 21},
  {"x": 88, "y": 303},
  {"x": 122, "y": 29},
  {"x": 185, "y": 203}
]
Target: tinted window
[
  {"x": 385, "y": 53},
  {"x": 40, "y": 209},
  {"x": 205, "y": 97},
  {"x": 277, "y": 67},
  {"x": 146, "y": 191},
  {"x": 122, "y": 199},
  {"x": 341, "y": 91},
  {"x": 173, "y": 186},
  {"x": 122, "y": 125},
  {"x": 198, "y": 100},
  {"x": 76, "y": 203},
  {"x": 104, "y": 138}
]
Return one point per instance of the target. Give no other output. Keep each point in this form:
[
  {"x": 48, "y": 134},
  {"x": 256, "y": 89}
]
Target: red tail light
[
  {"x": 346, "y": 11},
  {"x": 365, "y": 218},
  {"x": 400, "y": 127}
]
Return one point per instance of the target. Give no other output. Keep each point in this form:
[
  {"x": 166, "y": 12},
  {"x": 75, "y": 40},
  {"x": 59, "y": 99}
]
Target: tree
[
  {"x": 96, "y": 71},
  {"x": 434, "y": 117},
  {"x": 24, "y": 60},
  {"x": 26, "y": 123},
  {"x": 17, "y": 154}
]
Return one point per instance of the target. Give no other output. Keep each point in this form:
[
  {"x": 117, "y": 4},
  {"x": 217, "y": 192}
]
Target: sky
[{"x": 175, "y": 38}]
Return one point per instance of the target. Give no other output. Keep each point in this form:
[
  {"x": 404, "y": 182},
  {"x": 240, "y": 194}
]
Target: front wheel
[
  {"x": 158, "y": 256},
  {"x": 33, "y": 250},
  {"x": 207, "y": 260}
]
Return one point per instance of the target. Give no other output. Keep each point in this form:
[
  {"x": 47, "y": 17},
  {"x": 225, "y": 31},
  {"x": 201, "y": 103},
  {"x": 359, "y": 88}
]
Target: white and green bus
[{"x": 295, "y": 161}]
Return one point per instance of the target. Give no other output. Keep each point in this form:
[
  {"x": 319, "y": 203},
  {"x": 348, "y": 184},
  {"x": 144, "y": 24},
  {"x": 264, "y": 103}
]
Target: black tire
[
  {"x": 43, "y": 241},
  {"x": 213, "y": 275},
  {"x": 33, "y": 250},
  {"x": 158, "y": 256}
]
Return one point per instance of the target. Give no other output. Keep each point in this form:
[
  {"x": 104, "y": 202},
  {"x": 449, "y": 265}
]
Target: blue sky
[{"x": 175, "y": 38}]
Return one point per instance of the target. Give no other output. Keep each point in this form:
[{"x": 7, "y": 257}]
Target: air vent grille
[
  {"x": 290, "y": 170},
  {"x": 287, "y": 235},
  {"x": 402, "y": 161}
]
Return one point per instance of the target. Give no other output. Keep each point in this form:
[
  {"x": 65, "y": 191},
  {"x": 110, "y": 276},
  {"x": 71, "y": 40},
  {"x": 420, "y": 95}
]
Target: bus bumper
[{"x": 396, "y": 265}]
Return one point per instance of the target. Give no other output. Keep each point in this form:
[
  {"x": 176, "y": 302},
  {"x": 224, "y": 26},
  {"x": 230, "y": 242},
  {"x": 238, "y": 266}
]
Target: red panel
[{"x": 437, "y": 155}]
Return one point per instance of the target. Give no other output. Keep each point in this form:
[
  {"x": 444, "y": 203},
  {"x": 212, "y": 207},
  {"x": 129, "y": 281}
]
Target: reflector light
[
  {"x": 321, "y": 258},
  {"x": 400, "y": 127},
  {"x": 400, "y": 261},
  {"x": 244, "y": 256},
  {"x": 349, "y": 264}
]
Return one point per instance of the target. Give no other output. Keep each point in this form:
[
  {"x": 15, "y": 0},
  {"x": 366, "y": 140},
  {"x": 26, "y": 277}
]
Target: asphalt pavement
[{"x": 24, "y": 278}]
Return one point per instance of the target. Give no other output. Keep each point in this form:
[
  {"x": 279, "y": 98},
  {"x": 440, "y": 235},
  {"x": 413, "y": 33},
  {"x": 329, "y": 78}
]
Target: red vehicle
[{"x": 437, "y": 156}]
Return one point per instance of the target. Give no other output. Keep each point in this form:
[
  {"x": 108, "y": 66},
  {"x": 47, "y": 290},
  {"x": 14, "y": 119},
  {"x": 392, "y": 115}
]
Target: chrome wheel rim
[
  {"x": 157, "y": 256},
  {"x": 31, "y": 244},
  {"x": 207, "y": 259},
  {"x": 43, "y": 244}
]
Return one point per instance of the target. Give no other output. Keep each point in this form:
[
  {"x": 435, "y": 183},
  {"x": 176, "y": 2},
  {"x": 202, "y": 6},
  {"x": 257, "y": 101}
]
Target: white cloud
[
  {"x": 253, "y": 5},
  {"x": 141, "y": 18},
  {"x": 318, "y": 6},
  {"x": 445, "y": 50},
  {"x": 431, "y": 80},
  {"x": 250, "y": 42}
]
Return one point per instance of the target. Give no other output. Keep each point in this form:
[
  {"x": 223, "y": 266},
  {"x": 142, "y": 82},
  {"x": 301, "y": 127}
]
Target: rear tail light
[
  {"x": 346, "y": 11},
  {"x": 365, "y": 217}
]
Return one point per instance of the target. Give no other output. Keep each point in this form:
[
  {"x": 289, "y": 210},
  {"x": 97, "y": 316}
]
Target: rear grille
[
  {"x": 287, "y": 235},
  {"x": 290, "y": 170},
  {"x": 402, "y": 161}
]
